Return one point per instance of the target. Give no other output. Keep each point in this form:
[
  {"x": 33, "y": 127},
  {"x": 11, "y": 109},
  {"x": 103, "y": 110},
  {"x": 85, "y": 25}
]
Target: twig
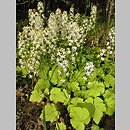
[{"x": 24, "y": 2}]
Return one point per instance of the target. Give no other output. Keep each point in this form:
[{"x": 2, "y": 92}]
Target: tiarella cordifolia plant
[
  {"x": 69, "y": 72},
  {"x": 61, "y": 38}
]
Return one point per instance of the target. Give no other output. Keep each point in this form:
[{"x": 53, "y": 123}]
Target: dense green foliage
[{"x": 84, "y": 99}]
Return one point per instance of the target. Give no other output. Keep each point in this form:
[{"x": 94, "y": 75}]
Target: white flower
[
  {"x": 108, "y": 43},
  {"x": 64, "y": 69},
  {"x": 74, "y": 48},
  {"x": 65, "y": 62},
  {"x": 59, "y": 72},
  {"x": 62, "y": 56},
  {"x": 103, "y": 50},
  {"x": 70, "y": 44},
  {"x": 102, "y": 58},
  {"x": 30, "y": 76},
  {"x": 87, "y": 73},
  {"x": 68, "y": 51},
  {"x": 98, "y": 56},
  {"x": 63, "y": 80},
  {"x": 89, "y": 83},
  {"x": 58, "y": 53},
  {"x": 109, "y": 47},
  {"x": 60, "y": 64},
  {"x": 85, "y": 78},
  {"x": 110, "y": 52},
  {"x": 67, "y": 74},
  {"x": 87, "y": 67},
  {"x": 101, "y": 54}
]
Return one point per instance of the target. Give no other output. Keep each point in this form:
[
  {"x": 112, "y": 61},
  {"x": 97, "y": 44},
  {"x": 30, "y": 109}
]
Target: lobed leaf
[
  {"x": 61, "y": 126},
  {"x": 100, "y": 108},
  {"x": 51, "y": 114},
  {"x": 109, "y": 81},
  {"x": 89, "y": 106},
  {"x": 79, "y": 117},
  {"x": 96, "y": 127},
  {"x": 109, "y": 97},
  {"x": 42, "y": 84},
  {"x": 74, "y": 86},
  {"x": 36, "y": 96},
  {"x": 95, "y": 89},
  {"x": 56, "y": 95}
]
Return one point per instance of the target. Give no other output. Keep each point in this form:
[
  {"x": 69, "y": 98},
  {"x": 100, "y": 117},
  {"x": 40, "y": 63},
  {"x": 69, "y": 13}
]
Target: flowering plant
[
  {"x": 69, "y": 72},
  {"x": 60, "y": 39}
]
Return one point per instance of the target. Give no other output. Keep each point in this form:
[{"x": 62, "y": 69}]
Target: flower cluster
[
  {"x": 102, "y": 54},
  {"x": 110, "y": 46},
  {"x": 30, "y": 43},
  {"x": 89, "y": 24},
  {"x": 61, "y": 38},
  {"x": 111, "y": 41},
  {"x": 89, "y": 68},
  {"x": 61, "y": 59}
]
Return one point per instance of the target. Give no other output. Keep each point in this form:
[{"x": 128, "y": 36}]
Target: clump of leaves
[{"x": 85, "y": 100}]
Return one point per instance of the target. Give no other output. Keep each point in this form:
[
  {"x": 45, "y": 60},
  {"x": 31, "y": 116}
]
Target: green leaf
[
  {"x": 51, "y": 114},
  {"x": 89, "y": 106},
  {"x": 54, "y": 74},
  {"x": 112, "y": 70},
  {"x": 24, "y": 71},
  {"x": 43, "y": 69},
  {"x": 99, "y": 109},
  {"x": 67, "y": 96},
  {"x": 79, "y": 117},
  {"x": 95, "y": 127},
  {"x": 18, "y": 68},
  {"x": 36, "y": 96},
  {"x": 89, "y": 100},
  {"x": 110, "y": 105},
  {"x": 100, "y": 72},
  {"x": 60, "y": 126},
  {"x": 42, "y": 84},
  {"x": 74, "y": 76},
  {"x": 62, "y": 78},
  {"x": 95, "y": 88},
  {"x": 46, "y": 91},
  {"x": 76, "y": 124},
  {"x": 109, "y": 97},
  {"x": 53, "y": 77},
  {"x": 57, "y": 96},
  {"x": 92, "y": 84},
  {"x": 92, "y": 77},
  {"x": 80, "y": 78},
  {"x": 109, "y": 92},
  {"x": 81, "y": 93},
  {"x": 74, "y": 86},
  {"x": 109, "y": 81},
  {"x": 76, "y": 100}
]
